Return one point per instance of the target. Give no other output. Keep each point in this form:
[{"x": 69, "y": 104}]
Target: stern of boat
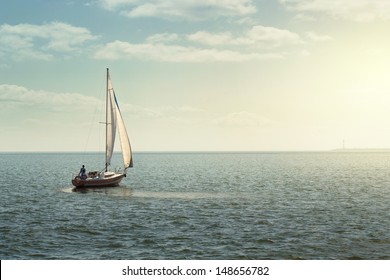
[{"x": 78, "y": 182}]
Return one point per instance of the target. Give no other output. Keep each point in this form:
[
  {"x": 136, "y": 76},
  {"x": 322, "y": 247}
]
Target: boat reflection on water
[{"x": 118, "y": 191}]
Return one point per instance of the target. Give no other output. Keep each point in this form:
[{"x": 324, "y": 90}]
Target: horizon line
[{"x": 212, "y": 151}]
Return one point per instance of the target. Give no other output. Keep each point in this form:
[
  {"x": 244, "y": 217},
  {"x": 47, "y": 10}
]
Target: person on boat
[{"x": 82, "y": 173}]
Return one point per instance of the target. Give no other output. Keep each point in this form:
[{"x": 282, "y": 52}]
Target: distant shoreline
[{"x": 361, "y": 150}]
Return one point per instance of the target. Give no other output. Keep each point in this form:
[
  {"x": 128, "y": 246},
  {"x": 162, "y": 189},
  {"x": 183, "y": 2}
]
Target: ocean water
[{"x": 198, "y": 206}]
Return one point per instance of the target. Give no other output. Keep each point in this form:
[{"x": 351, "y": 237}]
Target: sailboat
[{"x": 114, "y": 122}]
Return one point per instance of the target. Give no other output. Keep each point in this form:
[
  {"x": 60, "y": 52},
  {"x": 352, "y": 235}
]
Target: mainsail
[{"x": 110, "y": 121}]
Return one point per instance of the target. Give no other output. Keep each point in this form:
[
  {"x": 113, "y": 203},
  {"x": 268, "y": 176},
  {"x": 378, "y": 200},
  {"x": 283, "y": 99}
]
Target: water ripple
[{"x": 199, "y": 206}]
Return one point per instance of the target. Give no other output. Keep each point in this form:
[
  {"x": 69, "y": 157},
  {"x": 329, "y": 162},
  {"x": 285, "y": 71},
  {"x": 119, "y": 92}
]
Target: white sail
[
  {"x": 110, "y": 121},
  {"x": 124, "y": 138}
]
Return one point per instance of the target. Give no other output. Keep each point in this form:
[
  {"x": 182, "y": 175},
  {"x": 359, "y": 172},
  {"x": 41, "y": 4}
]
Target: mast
[
  {"x": 107, "y": 96},
  {"x": 110, "y": 121}
]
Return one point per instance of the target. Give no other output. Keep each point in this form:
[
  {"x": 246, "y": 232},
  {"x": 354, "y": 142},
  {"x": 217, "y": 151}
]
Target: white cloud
[
  {"x": 162, "y": 38},
  {"x": 42, "y": 42},
  {"x": 243, "y": 119},
  {"x": 271, "y": 35},
  {"x": 212, "y": 39},
  {"x": 253, "y": 45},
  {"x": 18, "y": 97},
  {"x": 140, "y": 111},
  {"x": 257, "y": 36},
  {"x": 13, "y": 95},
  {"x": 304, "y": 17},
  {"x": 318, "y": 38},
  {"x": 179, "y": 9},
  {"x": 356, "y": 10},
  {"x": 113, "y": 4},
  {"x": 175, "y": 53},
  {"x": 189, "y": 109}
]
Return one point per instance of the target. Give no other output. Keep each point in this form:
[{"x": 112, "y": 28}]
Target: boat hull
[{"x": 110, "y": 181}]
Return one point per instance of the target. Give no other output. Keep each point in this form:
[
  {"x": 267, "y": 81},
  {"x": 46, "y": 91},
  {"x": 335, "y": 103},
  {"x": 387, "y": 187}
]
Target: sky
[{"x": 196, "y": 75}]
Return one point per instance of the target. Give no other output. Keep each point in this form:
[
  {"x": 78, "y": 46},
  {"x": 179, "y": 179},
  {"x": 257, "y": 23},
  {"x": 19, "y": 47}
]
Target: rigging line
[
  {"x": 99, "y": 105},
  {"x": 102, "y": 96},
  {"x": 90, "y": 128}
]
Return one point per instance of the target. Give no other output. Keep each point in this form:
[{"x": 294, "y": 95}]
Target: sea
[{"x": 198, "y": 206}]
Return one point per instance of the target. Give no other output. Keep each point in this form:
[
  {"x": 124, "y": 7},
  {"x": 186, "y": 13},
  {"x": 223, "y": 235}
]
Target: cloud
[
  {"x": 356, "y": 10},
  {"x": 140, "y": 111},
  {"x": 189, "y": 109},
  {"x": 243, "y": 119},
  {"x": 212, "y": 39},
  {"x": 13, "y": 95},
  {"x": 318, "y": 38},
  {"x": 179, "y": 9},
  {"x": 162, "y": 38},
  {"x": 18, "y": 97},
  {"x": 113, "y": 4},
  {"x": 175, "y": 53},
  {"x": 304, "y": 17},
  {"x": 42, "y": 42},
  {"x": 255, "y": 44},
  {"x": 273, "y": 36},
  {"x": 257, "y": 36}
]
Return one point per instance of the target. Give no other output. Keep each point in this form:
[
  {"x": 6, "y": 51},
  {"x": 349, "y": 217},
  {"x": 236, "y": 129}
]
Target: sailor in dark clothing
[{"x": 82, "y": 173}]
